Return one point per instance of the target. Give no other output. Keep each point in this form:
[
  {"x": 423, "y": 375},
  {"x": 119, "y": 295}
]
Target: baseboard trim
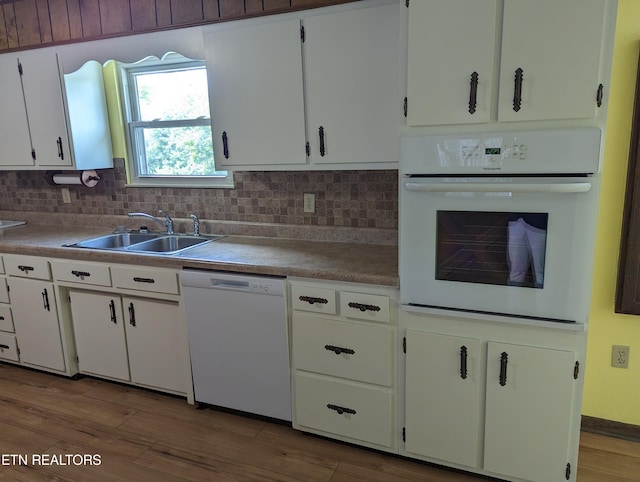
[{"x": 611, "y": 428}]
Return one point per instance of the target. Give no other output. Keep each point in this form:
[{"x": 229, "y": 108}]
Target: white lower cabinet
[
  {"x": 129, "y": 339},
  {"x": 343, "y": 339}
]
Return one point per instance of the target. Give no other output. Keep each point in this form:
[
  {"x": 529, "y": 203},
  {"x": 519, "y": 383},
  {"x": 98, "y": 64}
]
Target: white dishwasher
[{"x": 238, "y": 340}]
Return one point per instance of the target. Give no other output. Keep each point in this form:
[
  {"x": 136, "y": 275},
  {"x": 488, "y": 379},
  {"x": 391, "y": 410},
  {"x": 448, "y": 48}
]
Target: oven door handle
[{"x": 562, "y": 188}]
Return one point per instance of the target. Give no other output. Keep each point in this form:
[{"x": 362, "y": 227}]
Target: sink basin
[
  {"x": 116, "y": 241},
  {"x": 169, "y": 244},
  {"x": 156, "y": 243}
]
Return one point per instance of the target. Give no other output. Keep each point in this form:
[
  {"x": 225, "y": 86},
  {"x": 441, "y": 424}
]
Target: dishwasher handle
[{"x": 230, "y": 284}]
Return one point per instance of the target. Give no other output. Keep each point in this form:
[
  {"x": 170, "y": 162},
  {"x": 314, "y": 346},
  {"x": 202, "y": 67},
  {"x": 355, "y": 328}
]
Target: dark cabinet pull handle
[
  {"x": 24, "y": 268},
  {"x": 132, "y": 315},
  {"x": 144, "y": 280},
  {"x": 112, "y": 310},
  {"x": 362, "y": 307},
  {"x": 60, "y": 150},
  {"x": 321, "y": 135},
  {"x": 600, "y": 95},
  {"x": 225, "y": 145},
  {"x": 340, "y": 409},
  {"x": 4, "y": 347},
  {"x": 517, "y": 90},
  {"x": 504, "y": 358},
  {"x": 312, "y": 300},
  {"x": 1, "y": 318},
  {"x": 81, "y": 274},
  {"x": 45, "y": 300},
  {"x": 463, "y": 362},
  {"x": 473, "y": 93},
  {"x": 338, "y": 350}
]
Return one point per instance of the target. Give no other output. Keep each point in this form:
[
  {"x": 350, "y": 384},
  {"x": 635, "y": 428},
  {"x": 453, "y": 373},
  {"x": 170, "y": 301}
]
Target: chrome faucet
[
  {"x": 196, "y": 224},
  {"x": 167, "y": 223}
]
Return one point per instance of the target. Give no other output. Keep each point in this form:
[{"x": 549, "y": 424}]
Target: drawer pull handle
[
  {"x": 45, "y": 300},
  {"x": 112, "y": 310},
  {"x": 80, "y": 274},
  {"x": 340, "y": 409},
  {"x": 473, "y": 93},
  {"x": 463, "y": 362},
  {"x": 1, "y": 318},
  {"x": 24, "y": 268},
  {"x": 338, "y": 350},
  {"x": 4, "y": 347},
  {"x": 362, "y": 307},
  {"x": 312, "y": 300},
  {"x": 504, "y": 359},
  {"x": 144, "y": 280}
]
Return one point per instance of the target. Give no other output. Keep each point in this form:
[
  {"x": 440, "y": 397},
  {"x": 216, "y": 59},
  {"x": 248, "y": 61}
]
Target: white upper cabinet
[
  {"x": 14, "y": 129},
  {"x": 451, "y": 58},
  {"x": 256, "y": 94},
  {"x": 352, "y": 85},
  {"x": 534, "y": 60},
  {"x": 556, "y": 45}
]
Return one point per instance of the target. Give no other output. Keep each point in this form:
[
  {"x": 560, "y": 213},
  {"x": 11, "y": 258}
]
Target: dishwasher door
[{"x": 238, "y": 340}]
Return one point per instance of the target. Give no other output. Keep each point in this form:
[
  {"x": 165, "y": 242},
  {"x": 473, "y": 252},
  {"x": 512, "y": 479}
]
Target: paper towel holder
[{"x": 88, "y": 178}]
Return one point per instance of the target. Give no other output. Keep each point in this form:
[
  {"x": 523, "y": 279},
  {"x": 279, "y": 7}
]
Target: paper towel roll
[{"x": 85, "y": 178}]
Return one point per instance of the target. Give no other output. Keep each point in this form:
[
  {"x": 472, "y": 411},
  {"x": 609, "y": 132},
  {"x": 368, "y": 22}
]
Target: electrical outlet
[
  {"x": 620, "y": 356},
  {"x": 309, "y": 202},
  {"x": 66, "y": 195}
]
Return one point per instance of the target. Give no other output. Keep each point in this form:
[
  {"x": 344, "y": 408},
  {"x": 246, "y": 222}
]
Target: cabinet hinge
[
  {"x": 576, "y": 370},
  {"x": 77, "y": 359},
  {"x": 405, "y": 106},
  {"x": 302, "y": 35},
  {"x": 69, "y": 298},
  {"x": 404, "y": 344},
  {"x": 307, "y": 149},
  {"x": 567, "y": 473},
  {"x": 33, "y": 154},
  {"x": 404, "y": 434},
  {"x": 19, "y": 68}
]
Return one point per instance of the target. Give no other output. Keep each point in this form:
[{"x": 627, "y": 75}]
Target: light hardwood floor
[{"x": 145, "y": 436}]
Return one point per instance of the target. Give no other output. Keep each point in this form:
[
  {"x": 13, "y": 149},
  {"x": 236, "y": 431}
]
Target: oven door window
[{"x": 498, "y": 248}]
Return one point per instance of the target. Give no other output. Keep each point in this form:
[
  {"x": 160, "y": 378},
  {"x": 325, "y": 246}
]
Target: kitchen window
[{"x": 168, "y": 124}]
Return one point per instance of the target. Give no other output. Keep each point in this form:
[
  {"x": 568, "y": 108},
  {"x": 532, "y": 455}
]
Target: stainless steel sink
[{"x": 152, "y": 243}]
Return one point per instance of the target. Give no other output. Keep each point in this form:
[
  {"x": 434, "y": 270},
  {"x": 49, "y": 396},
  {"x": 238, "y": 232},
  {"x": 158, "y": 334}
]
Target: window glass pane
[
  {"x": 172, "y": 95},
  {"x": 501, "y": 248},
  {"x": 176, "y": 151}
]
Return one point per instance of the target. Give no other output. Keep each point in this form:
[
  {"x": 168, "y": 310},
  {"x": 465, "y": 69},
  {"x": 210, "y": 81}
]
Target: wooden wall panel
[
  {"x": 143, "y": 15},
  {"x": 4, "y": 42},
  {"x": 163, "y": 12},
  {"x": 210, "y": 9},
  {"x": 186, "y": 11},
  {"x": 90, "y": 15},
  {"x": 44, "y": 21},
  {"x": 59, "y": 20},
  {"x": 115, "y": 16},
  {"x": 231, "y": 8},
  {"x": 27, "y": 23},
  {"x": 253, "y": 6},
  {"x": 75, "y": 20},
  {"x": 276, "y": 4},
  {"x": 10, "y": 25}
]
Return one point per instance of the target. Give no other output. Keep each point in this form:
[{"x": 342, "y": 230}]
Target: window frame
[{"x": 132, "y": 124}]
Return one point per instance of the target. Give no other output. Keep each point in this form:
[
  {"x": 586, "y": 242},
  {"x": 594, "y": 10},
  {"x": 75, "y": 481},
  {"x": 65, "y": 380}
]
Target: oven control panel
[{"x": 563, "y": 151}]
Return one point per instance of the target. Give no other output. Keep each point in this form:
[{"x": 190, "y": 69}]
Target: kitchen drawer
[
  {"x": 349, "y": 410},
  {"x": 6, "y": 320},
  {"x": 80, "y": 272},
  {"x": 4, "y": 291},
  {"x": 145, "y": 279},
  {"x": 355, "y": 351},
  {"x": 27, "y": 267},
  {"x": 8, "y": 347},
  {"x": 311, "y": 298},
  {"x": 364, "y": 307}
]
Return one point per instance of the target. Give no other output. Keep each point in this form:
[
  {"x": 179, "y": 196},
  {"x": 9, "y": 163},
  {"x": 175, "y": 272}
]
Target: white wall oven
[{"x": 500, "y": 223}]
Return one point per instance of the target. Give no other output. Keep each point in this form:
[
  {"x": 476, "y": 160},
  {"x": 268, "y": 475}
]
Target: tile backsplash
[{"x": 343, "y": 198}]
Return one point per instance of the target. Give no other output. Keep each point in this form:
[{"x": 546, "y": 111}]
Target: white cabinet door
[
  {"x": 528, "y": 411},
  {"x": 35, "y": 318},
  {"x": 99, "y": 333},
  {"x": 14, "y": 129},
  {"x": 45, "y": 108},
  {"x": 256, "y": 94},
  {"x": 352, "y": 81},
  {"x": 449, "y": 42},
  {"x": 557, "y": 45},
  {"x": 443, "y": 380},
  {"x": 156, "y": 344}
]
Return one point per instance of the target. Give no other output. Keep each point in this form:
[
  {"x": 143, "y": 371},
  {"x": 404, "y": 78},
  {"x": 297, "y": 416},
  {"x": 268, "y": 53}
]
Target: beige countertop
[{"x": 340, "y": 261}]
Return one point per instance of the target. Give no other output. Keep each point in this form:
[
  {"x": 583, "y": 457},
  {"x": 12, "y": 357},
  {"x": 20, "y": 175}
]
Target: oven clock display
[{"x": 492, "y": 151}]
